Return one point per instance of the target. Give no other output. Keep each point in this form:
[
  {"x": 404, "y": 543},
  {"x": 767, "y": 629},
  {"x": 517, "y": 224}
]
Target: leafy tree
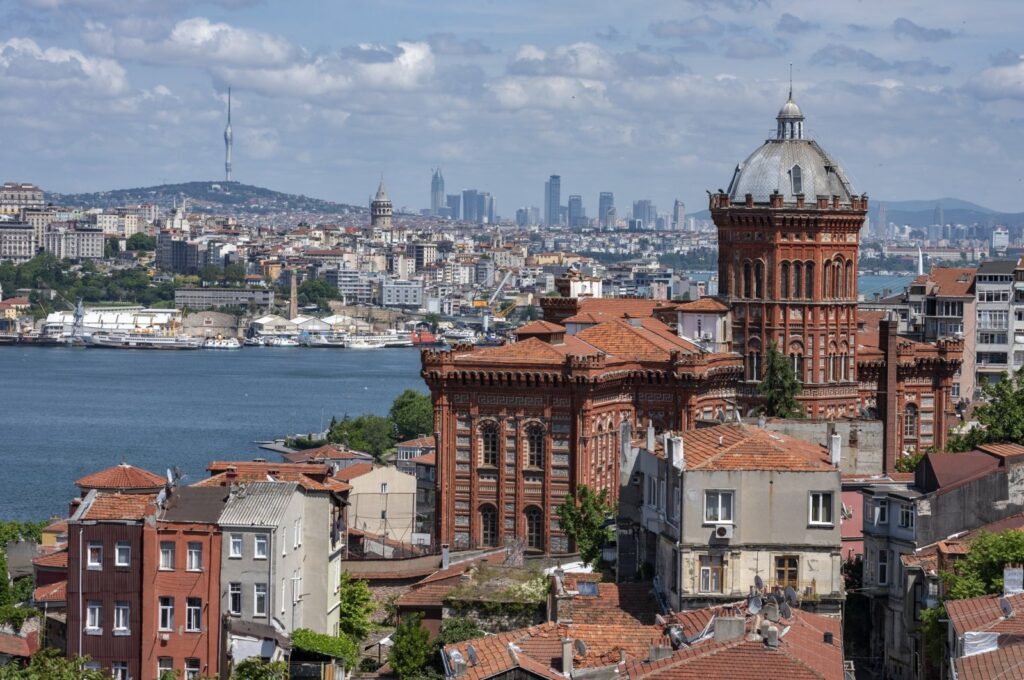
[
  {"x": 779, "y": 386},
  {"x": 583, "y": 520},
  {"x": 457, "y": 629},
  {"x": 170, "y": 675},
  {"x": 211, "y": 273},
  {"x": 413, "y": 414},
  {"x": 111, "y": 247},
  {"x": 49, "y": 664},
  {"x": 234, "y": 273},
  {"x": 1000, "y": 415},
  {"x": 317, "y": 292},
  {"x": 356, "y": 606},
  {"x": 411, "y": 650},
  {"x": 909, "y": 463},
  {"x": 981, "y": 571},
  {"x": 373, "y": 434},
  {"x": 432, "y": 319},
  {"x": 258, "y": 669},
  {"x": 340, "y": 647},
  {"x": 141, "y": 241}
]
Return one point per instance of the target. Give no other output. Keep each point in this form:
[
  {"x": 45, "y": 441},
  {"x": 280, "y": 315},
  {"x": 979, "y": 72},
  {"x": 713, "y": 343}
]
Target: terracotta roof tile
[
  {"x": 745, "y": 447},
  {"x": 353, "y": 471},
  {"x": 425, "y": 459},
  {"x": 19, "y": 646},
  {"x": 619, "y": 306},
  {"x": 983, "y": 614},
  {"x": 123, "y": 476},
  {"x": 953, "y": 281},
  {"x": 310, "y": 476},
  {"x": 54, "y": 592},
  {"x": 417, "y": 443},
  {"x": 325, "y": 452},
  {"x": 1006, "y": 662},
  {"x": 704, "y": 304},
  {"x": 539, "y": 327},
  {"x": 54, "y": 560},
  {"x": 120, "y": 506}
]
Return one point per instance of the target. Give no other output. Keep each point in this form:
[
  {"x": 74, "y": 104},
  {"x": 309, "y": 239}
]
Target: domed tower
[
  {"x": 380, "y": 208},
  {"x": 788, "y": 238}
]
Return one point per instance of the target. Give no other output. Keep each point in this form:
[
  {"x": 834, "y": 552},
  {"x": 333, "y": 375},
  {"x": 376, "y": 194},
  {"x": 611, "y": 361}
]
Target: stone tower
[
  {"x": 380, "y": 208},
  {"x": 788, "y": 238}
]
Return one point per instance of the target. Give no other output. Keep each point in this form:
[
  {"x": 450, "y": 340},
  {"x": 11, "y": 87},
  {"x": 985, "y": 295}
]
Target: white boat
[
  {"x": 460, "y": 335},
  {"x": 365, "y": 343},
  {"x": 324, "y": 340},
  {"x": 254, "y": 341},
  {"x": 222, "y": 343},
  {"x": 141, "y": 341},
  {"x": 395, "y": 338},
  {"x": 281, "y": 341}
]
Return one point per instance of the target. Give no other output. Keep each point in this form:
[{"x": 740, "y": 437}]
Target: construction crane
[{"x": 488, "y": 310}]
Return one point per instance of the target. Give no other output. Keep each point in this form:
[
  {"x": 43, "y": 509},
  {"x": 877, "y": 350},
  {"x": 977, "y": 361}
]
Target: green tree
[
  {"x": 1000, "y": 415},
  {"x": 141, "y": 241},
  {"x": 211, "y": 273},
  {"x": 111, "y": 247},
  {"x": 981, "y": 571},
  {"x": 258, "y": 669},
  {"x": 340, "y": 647},
  {"x": 583, "y": 520},
  {"x": 779, "y": 386},
  {"x": 317, "y": 292},
  {"x": 234, "y": 273},
  {"x": 355, "y": 607},
  {"x": 49, "y": 664},
  {"x": 908, "y": 463},
  {"x": 458, "y": 629},
  {"x": 413, "y": 414},
  {"x": 411, "y": 649},
  {"x": 373, "y": 434},
  {"x": 432, "y": 319}
]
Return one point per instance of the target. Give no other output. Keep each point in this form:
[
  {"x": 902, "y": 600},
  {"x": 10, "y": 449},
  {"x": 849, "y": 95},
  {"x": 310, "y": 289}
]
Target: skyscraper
[
  {"x": 484, "y": 208},
  {"x": 882, "y": 227},
  {"x": 437, "y": 197},
  {"x": 469, "y": 205},
  {"x": 454, "y": 201},
  {"x": 228, "y": 142},
  {"x": 646, "y": 212},
  {"x": 577, "y": 218},
  {"x": 604, "y": 203},
  {"x": 552, "y": 201},
  {"x": 678, "y": 215}
]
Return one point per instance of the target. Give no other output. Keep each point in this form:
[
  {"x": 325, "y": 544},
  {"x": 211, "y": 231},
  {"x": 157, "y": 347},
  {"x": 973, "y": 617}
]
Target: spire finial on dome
[{"x": 790, "y": 81}]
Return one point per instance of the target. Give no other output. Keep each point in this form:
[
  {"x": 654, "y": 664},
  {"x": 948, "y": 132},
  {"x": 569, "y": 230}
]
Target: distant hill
[
  {"x": 922, "y": 213},
  {"x": 222, "y": 197}
]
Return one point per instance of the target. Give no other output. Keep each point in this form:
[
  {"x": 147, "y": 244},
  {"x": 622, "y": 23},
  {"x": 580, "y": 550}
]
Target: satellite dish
[
  {"x": 791, "y": 595},
  {"x": 754, "y": 604},
  {"x": 676, "y": 637},
  {"x": 758, "y": 583},
  {"x": 1006, "y": 607},
  {"x": 581, "y": 647},
  {"x": 785, "y": 611},
  {"x": 471, "y": 653}
]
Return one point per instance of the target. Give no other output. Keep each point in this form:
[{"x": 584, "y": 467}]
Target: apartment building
[
  {"x": 399, "y": 293},
  {"x": 943, "y": 305},
  {"x": 17, "y": 242},
  {"x": 382, "y": 501},
  {"x": 207, "y": 298},
  {"x": 715, "y": 510},
  {"x": 15, "y": 196},
  {"x": 73, "y": 241}
]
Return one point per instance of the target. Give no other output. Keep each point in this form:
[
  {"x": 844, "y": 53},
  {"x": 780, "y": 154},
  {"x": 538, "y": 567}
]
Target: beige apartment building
[{"x": 382, "y": 502}]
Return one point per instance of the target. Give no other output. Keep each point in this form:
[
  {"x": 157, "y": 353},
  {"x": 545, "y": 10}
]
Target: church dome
[{"x": 790, "y": 165}]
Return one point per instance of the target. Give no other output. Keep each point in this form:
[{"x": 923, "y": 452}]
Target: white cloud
[
  {"x": 549, "y": 92},
  {"x": 24, "y": 62},
  {"x": 1000, "y": 82}
]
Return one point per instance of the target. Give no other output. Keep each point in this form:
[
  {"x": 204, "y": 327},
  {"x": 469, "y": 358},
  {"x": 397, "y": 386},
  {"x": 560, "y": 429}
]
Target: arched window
[
  {"x": 759, "y": 280},
  {"x": 910, "y": 422},
  {"x": 826, "y": 285},
  {"x": 747, "y": 288},
  {"x": 837, "y": 280},
  {"x": 795, "y": 177},
  {"x": 535, "y": 446},
  {"x": 784, "y": 281},
  {"x": 851, "y": 281},
  {"x": 488, "y": 525},
  {"x": 810, "y": 281},
  {"x": 754, "y": 366},
  {"x": 798, "y": 279},
  {"x": 489, "y": 444},
  {"x": 534, "y": 528}
]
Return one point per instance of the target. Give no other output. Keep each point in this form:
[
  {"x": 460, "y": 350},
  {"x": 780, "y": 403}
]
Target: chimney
[
  {"x": 762, "y": 421},
  {"x": 1013, "y": 579},
  {"x": 650, "y": 435},
  {"x": 729, "y": 628},
  {"x": 772, "y": 638},
  {"x": 293, "y": 299},
  {"x": 567, "y": 657},
  {"x": 677, "y": 456},
  {"x": 835, "y": 449},
  {"x": 446, "y": 558}
]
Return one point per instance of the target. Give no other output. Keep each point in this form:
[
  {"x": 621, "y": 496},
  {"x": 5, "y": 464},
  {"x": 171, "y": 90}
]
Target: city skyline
[{"x": 918, "y": 102}]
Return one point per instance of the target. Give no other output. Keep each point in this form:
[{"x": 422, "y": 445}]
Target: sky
[{"x": 660, "y": 99}]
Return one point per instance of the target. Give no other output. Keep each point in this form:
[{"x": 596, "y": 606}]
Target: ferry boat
[
  {"x": 459, "y": 335},
  {"x": 254, "y": 341},
  {"x": 122, "y": 340},
  {"x": 324, "y": 340},
  {"x": 221, "y": 342},
  {"x": 425, "y": 338},
  {"x": 281, "y": 341},
  {"x": 365, "y": 342}
]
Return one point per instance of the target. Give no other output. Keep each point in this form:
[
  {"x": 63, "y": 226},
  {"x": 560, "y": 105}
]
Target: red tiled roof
[
  {"x": 58, "y": 526},
  {"x": 745, "y": 447},
  {"x": 983, "y": 613},
  {"x": 108, "y": 506},
  {"x": 1004, "y": 662},
  {"x": 953, "y": 281},
  {"x": 123, "y": 476},
  {"x": 353, "y": 471},
  {"x": 310, "y": 476},
  {"x": 540, "y": 327},
  {"x": 55, "y": 592},
  {"x": 417, "y": 443},
  {"x": 425, "y": 459},
  {"x": 16, "y": 645},
  {"x": 618, "y": 306},
  {"x": 325, "y": 452},
  {"x": 618, "y": 603},
  {"x": 704, "y": 304},
  {"x": 54, "y": 560}
]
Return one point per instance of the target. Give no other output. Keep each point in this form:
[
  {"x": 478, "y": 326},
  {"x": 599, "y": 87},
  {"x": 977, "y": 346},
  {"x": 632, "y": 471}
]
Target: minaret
[
  {"x": 293, "y": 298},
  {"x": 228, "y": 139}
]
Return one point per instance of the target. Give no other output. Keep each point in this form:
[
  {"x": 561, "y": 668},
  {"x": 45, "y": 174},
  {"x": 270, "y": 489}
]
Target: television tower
[{"x": 228, "y": 139}]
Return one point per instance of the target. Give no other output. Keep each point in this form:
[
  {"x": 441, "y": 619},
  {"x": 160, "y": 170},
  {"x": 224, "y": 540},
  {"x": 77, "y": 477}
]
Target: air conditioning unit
[{"x": 724, "y": 531}]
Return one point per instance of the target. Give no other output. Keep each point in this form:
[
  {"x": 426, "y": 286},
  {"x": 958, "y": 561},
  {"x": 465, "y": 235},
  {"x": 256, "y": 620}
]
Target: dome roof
[
  {"x": 791, "y": 166},
  {"x": 790, "y": 110}
]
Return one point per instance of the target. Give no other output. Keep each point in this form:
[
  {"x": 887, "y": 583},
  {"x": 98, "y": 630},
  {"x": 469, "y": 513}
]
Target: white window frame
[
  {"x": 193, "y": 667},
  {"x": 194, "y": 556},
  {"x": 122, "y": 618},
  {"x": 259, "y": 597},
  {"x": 164, "y": 664},
  {"x": 165, "y": 613},
  {"x": 707, "y": 565},
  {"x": 94, "y": 617},
  {"x": 882, "y": 566},
  {"x": 193, "y": 614},
  {"x": 234, "y": 589},
  {"x": 818, "y": 504},
  {"x": 731, "y": 505},
  {"x": 168, "y": 553},
  {"x": 236, "y": 541},
  {"x": 119, "y": 670},
  {"x": 883, "y": 510},
  {"x": 906, "y": 516},
  {"x": 257, "y": 540},
  {"x": 94, "y": 550},
  {"x": 127, "y": 553}
]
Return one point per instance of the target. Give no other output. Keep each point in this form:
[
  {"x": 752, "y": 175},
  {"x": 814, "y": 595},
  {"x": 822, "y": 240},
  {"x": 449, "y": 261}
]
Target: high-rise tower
[
  {"x": 605, "y": 203},
  {"x": 437, "y": 197},
  {"x": 380, "y": 208},
  {"x": 788, "y": 237},
  {"x": 553, "y": 201},
  {"x": 228, "y": 141}
]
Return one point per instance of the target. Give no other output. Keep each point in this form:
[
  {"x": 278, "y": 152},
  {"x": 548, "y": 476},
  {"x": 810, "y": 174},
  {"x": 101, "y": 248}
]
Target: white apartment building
[{"x": 17, "y": 242}]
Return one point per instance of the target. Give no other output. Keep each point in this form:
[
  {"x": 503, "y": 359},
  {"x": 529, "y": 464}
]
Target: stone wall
[{"x": 862, "y": 440}]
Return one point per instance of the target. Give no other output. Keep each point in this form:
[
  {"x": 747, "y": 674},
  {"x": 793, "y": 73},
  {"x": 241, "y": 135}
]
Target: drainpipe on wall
[{"x": 81, "y": 624}]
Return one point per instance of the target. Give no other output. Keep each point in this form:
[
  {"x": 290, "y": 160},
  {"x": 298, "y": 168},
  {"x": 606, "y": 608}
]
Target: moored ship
[{"x": 121, "y": 340}]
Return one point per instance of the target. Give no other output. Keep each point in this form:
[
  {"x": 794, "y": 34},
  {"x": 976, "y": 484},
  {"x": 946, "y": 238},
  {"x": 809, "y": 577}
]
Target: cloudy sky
[{"x": 656, "y": 99}]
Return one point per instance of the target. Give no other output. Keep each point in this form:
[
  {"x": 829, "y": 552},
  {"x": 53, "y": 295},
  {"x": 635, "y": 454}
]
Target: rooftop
[
  {"x": 102, "y": 505},
  {"x": 747, "y": 447},
  {"x": 123, "y": 477},
  {"x": 257, "y": 504}
]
